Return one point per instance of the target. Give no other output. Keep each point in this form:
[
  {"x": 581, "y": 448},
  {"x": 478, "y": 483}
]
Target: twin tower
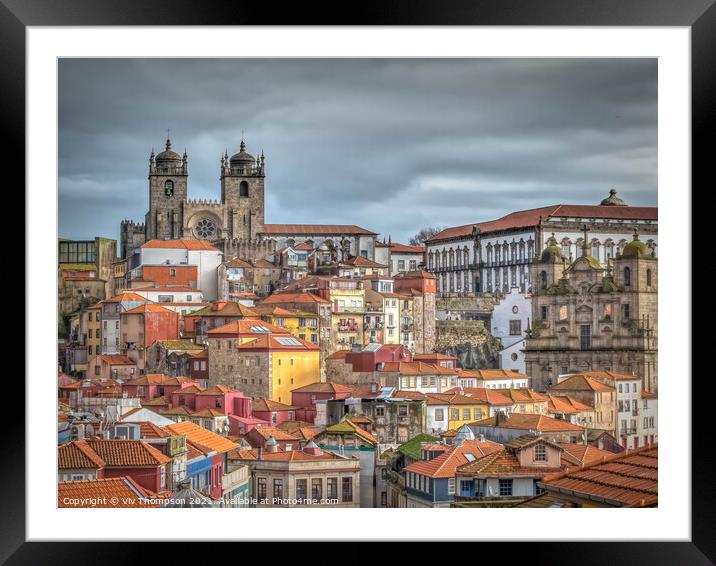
[{"x": 237, "y": 217}]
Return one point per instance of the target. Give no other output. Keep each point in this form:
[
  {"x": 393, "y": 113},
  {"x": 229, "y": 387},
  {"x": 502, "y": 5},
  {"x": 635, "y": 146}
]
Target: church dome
[
  {"x": 168, "y": 155},
  {"x": 242, "y": 157},
  {"x": 613, "y": 200},
  {"x": 552, "y": 253},
  {"x": 635, "y": 249}
]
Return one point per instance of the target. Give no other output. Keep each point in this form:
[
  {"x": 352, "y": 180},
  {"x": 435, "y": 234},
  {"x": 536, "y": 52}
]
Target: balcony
[
  {"x": 348, "y": 328},
  {"x": 232, "y": 479},
  {"x": 339, "y": 308}
]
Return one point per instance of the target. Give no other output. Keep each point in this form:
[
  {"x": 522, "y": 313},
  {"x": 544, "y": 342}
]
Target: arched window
[
  {"x": 244, "y": 189},
  {"x": 543, "y": 279},
  {"x": 169, "y": 188},
  {"x": 627, "y": 277},
  {"x": 566, "y": 245},
  {"x": 595, "y": 249},
  {"x": 648, "y": 277}
]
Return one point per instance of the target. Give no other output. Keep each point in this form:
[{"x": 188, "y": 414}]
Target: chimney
[
  {"x": 271, "y": 445},
  {"x": 260, "y": 454},
  {"x": 482, "y": 438}
]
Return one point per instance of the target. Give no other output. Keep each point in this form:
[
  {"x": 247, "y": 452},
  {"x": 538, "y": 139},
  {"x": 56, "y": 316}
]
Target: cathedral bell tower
[
  {"x": 168, "y": 174},
  {"x": 242, "y": 193}
]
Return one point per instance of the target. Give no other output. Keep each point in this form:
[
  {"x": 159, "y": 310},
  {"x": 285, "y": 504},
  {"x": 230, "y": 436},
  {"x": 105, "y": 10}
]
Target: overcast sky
[{"x": 391, "y": 145}]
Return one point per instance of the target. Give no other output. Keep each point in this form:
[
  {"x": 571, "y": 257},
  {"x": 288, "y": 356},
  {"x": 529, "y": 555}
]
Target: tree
[{"x": 425, "y": 234}]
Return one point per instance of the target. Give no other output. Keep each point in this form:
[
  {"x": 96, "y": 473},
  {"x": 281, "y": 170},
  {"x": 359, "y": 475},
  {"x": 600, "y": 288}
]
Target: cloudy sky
[{"x": 391, "y": 145}]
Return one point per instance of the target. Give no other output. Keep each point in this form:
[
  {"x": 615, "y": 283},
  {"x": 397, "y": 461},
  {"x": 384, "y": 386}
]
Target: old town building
[
  {"x": 494, "y": 256},
  {"x": 586, "y": 317}
]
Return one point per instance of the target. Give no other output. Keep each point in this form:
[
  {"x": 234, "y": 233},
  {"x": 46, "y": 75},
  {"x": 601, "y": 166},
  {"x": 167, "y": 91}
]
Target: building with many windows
[{"x": 493, "y": 256}]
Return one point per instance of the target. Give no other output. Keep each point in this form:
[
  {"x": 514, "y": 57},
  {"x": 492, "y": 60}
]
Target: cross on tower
[{"x": 585, "y": 244}]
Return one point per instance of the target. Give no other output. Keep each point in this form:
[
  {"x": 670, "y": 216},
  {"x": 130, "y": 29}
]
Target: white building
[
  {"x": 509, "y": 322},
  {"x": 406, "y": 258},
  {"x": 636, "y": 413},
  {"x": 176, "y": 294},
  {"x": 492, "y": 379},
  {"x": 200, "y": 253},
  {"x": 494, "y": 256}
]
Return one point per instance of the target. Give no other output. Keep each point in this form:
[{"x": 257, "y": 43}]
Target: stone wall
[{"x": 469, "y": 341}]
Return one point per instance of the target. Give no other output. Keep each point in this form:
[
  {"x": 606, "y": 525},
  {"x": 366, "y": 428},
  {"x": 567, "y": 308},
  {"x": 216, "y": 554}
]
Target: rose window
[{"x": 205, "y": 228}]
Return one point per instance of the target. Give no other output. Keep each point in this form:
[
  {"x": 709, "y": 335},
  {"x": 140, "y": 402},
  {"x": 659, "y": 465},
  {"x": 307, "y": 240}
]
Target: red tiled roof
[
  {"x": 316, "y": 229},
  {"x": 527, "y": 421},
  {"x": 583, "y": 454},
  {"x": 126, "y": 296},
  {"x": 132, "y": 453},
  {"x": 242, "y": 327},
  {"x": 451, "y": 399},
  {"x": 78, "y": 455},
  {"x": 504, "y": 463},
  {"x": 360, "y": 261},
  {"x": 115, "y": 359},
  {"x": 488, "y": 396},
  {"x": 223, "y": 309},
  {"x": 293, "y": 298},
  {"x": 267, "y": 405},
  {"x": 323, "y": 387},
  {"x": 201, "y": 437},
  {"x": 566, "y": 404},
  {"x": 523, "y": 395},
  {"x": 106, "y": 492},
  {"x": 338, "y": 355},
  {"x": 531, "y": 217},
  {"x": 417, "y": 368},
  {"x": 270, "y": 342},
  {"x": 180, "y": 244},
  {"x": 629, "y": 479},
  {"x": 493, "y": 374},
  {"x": 445, "y": 465},
  {"x": 580, "y": 382},
  {"x": 405, "y": 249}
]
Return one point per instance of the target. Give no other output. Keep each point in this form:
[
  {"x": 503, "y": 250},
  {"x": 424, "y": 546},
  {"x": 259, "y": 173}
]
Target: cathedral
[
  {"x": 232, "y": 224},
  {"x": 235, "y": 224}
]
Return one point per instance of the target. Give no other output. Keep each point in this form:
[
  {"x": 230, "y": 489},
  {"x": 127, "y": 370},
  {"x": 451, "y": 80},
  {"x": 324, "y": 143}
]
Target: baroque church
[
  {"x": 235, "y": 223},
  {"x": 587, "y": 317}
]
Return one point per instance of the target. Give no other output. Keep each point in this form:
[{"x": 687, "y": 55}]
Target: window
[
  {"x": 384, "y": 499},
  {"x": 505, "y": 488},
  {"x": 648, "y": 277},
  {"x": 626, "y": 314},
  {"x": 439, "y": 415},
  {"x": 455, "y": 414},
  {"x": 543, "y": 279},
  {"x": 332, "y": 488},
  {"x": 540, "y": 453},
  {"x": 585, "y": 336},
  {"x": 413, "y": 265},
  {"x": 380, "y": 411},
  {"x": 465, "y": 414},
  {"x": 169, "y": 188},
  {"x": 278, "y": 488},
  {"x": 543, "y": 313},
  {"x": 316, "y": 488},
  {"x": 261, "y": 488},
  {"x": 515, "y": 327},
  {"x": 244, "y": 189},
  {"x": 627, "y": 277},
  {"x": 301, "y": 489},
  {"x": 401, "y": 265},
  {"x": 402, "y": 410},
  {"x": 347, "y": 490}
]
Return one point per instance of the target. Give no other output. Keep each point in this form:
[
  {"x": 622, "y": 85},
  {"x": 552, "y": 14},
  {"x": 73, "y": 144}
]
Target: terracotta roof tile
[
  {"x": 180, "y": 244},
  {"x": 526, "y": 421},
  {"x": 445, "y": 465},
  {"x": 316, "y": 229},
  {"x": 629, "y": 479},
  {"x": 268, "y": 405},
  {"x": 201, "y": 437},
  {"x": 106, "y": 492},
  {"x": 531, "y": 217}
]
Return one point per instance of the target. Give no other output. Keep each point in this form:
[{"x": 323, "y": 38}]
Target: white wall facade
[{"x": 509, "y": 322}]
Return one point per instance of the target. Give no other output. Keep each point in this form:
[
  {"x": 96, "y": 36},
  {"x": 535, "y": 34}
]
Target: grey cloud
[{"x": 389, "y": 144}]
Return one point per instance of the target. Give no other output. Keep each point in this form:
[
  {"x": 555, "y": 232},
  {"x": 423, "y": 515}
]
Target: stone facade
[
  {"x": 586, "y": 317},
  {"x": 233, "y": 224},
  {"x": 469, "y": 341}
]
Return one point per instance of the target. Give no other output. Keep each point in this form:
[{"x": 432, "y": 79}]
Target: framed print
[{"x": 308, "y": 274}]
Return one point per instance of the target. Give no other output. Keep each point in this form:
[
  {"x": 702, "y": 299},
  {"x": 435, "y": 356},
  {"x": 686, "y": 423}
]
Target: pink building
[
  {"x": 116, "y": 366},
  {"x": 272, "y": 412},
  {"x": 153, "y": 385},
  {"x": 304, "y": 398},
  {"x": 142, "y": 326}
]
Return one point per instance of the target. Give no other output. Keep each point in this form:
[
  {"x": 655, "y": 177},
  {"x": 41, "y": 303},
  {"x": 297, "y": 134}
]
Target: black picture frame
[{"x": 699, "y": 15}]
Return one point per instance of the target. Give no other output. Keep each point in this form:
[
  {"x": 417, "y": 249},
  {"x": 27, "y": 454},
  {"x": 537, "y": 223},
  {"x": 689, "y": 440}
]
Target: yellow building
[
  {"x": 301, "y": 324},
  {"x": 527, "y": 401},
  {"x": 449, "y": 411},
  {"x": 266, "y": 366},
  {"x": 91, "y": 329},
  {"x": 348, "y": 301}
]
